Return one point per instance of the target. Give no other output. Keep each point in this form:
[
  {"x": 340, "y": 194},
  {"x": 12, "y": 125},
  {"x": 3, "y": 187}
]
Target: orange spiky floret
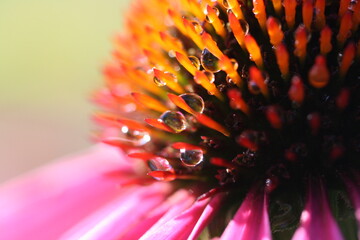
[{"x": 240, "y": 76}]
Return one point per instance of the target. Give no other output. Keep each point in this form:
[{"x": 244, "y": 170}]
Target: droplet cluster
[{"x": 236, "y": 91}]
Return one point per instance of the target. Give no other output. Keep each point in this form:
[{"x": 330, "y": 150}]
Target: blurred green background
[{"x": 51, "y": 54}]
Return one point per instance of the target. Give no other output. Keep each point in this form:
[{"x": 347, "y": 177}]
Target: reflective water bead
[
  {"x": 234, "y": 63},
  {"x": 209, "y": 61},
  {"x": 159, "y": 82},
  {"x": 245, "y": 26},
  {"x": 194, "y": 101},
  {"x": 197, "y": 26},
  {"x": 225, "y": 4},
  {"x": 195, "y": 61},
  {"x": 191, "y": 158},
  {"x": 136, "y": 137},
  {"x": 175, "y": 120},
  {"x": 210, "y": 76},
  {"x": 160, "y": 164}
]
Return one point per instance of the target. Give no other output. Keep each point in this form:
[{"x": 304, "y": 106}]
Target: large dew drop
[
  {"x": 159, "y": 82},
  {"x": 175, "y": 120},
  {"x": 209, "y": 61},
  {"x": 194, "y": 101},
  {"x": 135, "y": 137},
  {"x": 160, "y": 164},
  {"x": 191, "y": 158},
  {"x": 195, "y": 61}
]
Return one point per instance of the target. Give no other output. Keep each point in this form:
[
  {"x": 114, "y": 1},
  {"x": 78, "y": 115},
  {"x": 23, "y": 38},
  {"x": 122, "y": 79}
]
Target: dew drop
[
  {"x": 136, "y": 137},
  {"x": 175, "y": 120},
  {"x": 159, "y": 164},
  {"x": 126, "y": 136},
  {"x": 210, "y": 76},
  {"x": 162, "y": 165},
  {"x": 209, "y": 61},
  {"x": 229, "y": 80},
  {"x": 245, "y": 26},
  {"x": 197, "y": 27},
  {"x": 225, "y": 4},
  {"x": 234, "y": 63},
  {"x": 194, "y": 101},
  {"x": 195, "y": 61},
  {"x": 253, "y": 88},
  {"x": 191, "y": 158},
  {"x": 159, "y": 82},
  {"x": 271, "y": 184}
]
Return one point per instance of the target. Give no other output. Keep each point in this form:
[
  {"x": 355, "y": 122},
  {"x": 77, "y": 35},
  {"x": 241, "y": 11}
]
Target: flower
[{"x": 239, "y": 120}]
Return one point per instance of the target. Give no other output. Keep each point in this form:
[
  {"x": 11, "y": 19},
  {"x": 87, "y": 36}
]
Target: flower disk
[{"x": 226, "y": 95}]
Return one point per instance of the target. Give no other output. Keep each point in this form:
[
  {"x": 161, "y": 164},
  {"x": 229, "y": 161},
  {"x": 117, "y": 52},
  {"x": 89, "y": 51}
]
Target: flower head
[
  {"x": 240, "y": 120},
  {"x": 243, "y": 96}
]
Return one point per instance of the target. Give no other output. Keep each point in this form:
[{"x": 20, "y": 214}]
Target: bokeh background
[{"x": 51, "y": 54}]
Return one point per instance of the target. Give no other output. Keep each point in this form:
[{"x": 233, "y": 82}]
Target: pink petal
[
  {"x": 173, "y": 206},
  {"x": 206, "y": 216},
  {"x": 121, "y": 214},
  {"x": 251, "y": 221},
  {"x": 60, "y": 194},
  {"x": 353, "y": 189},
  {"x": 317, "y": 221},
  {"x": 179, "y": 227}
]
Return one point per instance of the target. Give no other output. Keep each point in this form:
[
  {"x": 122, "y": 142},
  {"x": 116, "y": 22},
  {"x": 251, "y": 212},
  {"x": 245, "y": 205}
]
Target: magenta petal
[
  {"x": 60, "y": 194},
  {"x": 173, "y": 206},
  {"x": 317, "y": 221},
  {"x": 206, "y": 216},
  {"x": 120, "y": 215},
  {"x": 251, "y": 221},
  {"x": 180, "y": 227},
  {"x": 353, "y": 189}
]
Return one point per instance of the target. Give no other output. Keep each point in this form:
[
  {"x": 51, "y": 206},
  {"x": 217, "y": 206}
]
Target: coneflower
[
  {"x": 244, "y": 96},
  {"x": 241, "y": 120}
]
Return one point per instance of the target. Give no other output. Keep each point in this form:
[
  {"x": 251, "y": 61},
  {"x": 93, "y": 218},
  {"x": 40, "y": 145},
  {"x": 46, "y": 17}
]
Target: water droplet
[
  {"x": 195, "y": 61},
  {"x": 172, "y": 54},
  {"x": 271, "y": 183},
  {"x": 138, "y": 138},
  {"x": 197, "y": 27},
  {"x": 210, "y": 76},
  {"x": 159, "y": 82},
  {"x": 234, "y": 64},
  {"x": 194, "y": 101},
  {"x": 228, "y": 79},
  {"x": 209, "y": 61},
  {"x": 217, "y": 12},
  {"x": 128, "y": 136},
  {"x": 160, "y": 164},
  {"x": 175, "y": 120},
  {"x": 245, "y": 26},
  {"x": 191, "y": 158},
  {"x": 225, "y": 4},
  {"x": 253, "y": 88}
]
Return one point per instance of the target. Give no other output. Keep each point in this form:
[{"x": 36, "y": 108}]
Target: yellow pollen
[
  {"x": 282, "y": 58},
  {"x": 215, "y": 21},
  {"x": 301, "y": 40},
  {"x": 325, "y": 40},
  {"x": 347, "y": 58},
  {"x": 290, "y": 12},
  {"x": 319, "y": 75},
  {"x": 260, "y": 13},
  {"x": 254, "y": 50},
  {"x": 307, "y": 13},
  {"x": 345, "y": 27},
  {"x": 274, "y": 31},
  {"x": 237, "y": 29}
]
